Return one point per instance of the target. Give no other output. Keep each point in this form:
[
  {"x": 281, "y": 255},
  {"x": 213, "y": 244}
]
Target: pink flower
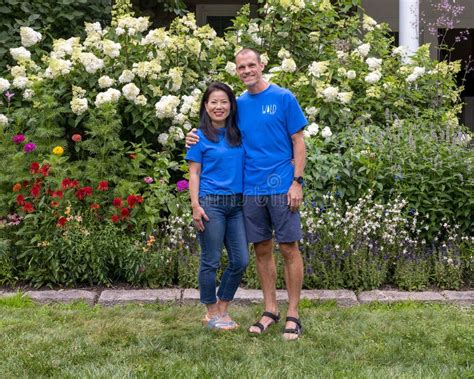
[
  {"x": 19, "y": 138},
  {"x": 148, "y": 180},
  {"x": 182, "y": 185},
  {"x": 29, "y": 147}
]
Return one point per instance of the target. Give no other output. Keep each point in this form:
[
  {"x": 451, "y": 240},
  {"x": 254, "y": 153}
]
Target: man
[{"x": 271, "y": 122}]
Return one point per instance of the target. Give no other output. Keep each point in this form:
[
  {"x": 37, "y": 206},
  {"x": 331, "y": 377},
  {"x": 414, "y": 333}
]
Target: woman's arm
[{"x": 198, "y": 212}]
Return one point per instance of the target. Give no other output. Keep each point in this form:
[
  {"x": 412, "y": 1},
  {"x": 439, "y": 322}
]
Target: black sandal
[
  {"x": 298, "y": 330},
  {"x": 264, "y": 328}
]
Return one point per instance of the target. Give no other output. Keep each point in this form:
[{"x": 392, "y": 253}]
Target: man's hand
[
  {"x": 191, "y": 138},
  {"x": 198, "y": 215},
  {"x": 295, "y": 196}
]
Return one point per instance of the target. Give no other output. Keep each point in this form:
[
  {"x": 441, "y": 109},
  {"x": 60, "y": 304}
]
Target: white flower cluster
[
  {"x": 29, "y": 37},
  {"x": 111, "y": 48},
  {"x": 351, "y": 74},
  {"x": 311, "y": 130},
  {"x": 330, "y": 94},
  {"x": 28, "y": 94},
  {"x": 4, "y": 85},
  {"x": 374, "y": 63},
  {"x": 176, "y": 79},
  {"x": 191, "y": 103},
  {"x": 145, "y": 69},
  {"x": 205, "y": 32},
  {"x": 368, "y": 23},
  {"x": 167, "y": 106},
  {"x": 294, "y": 6},
  {"x": 288, "y": 65},
  {"x": 416, "y": 73},
  {"x": 18, "y": 71},
  {"x": 112, "y": 95},
  {"x": 78, "y": 105},
  {"x": 157, "y": 37},
  {"x": 62, "y": 47},
  {"x": 133, "y": 24},
  {"x": 373, "y": 77},
  {"x": 130, "y": 91},
  {"x": 283, "y": 53},
  {"x": 363, "y": 50},
  {"x": 230, "y": 68},
  {"x": 58, "y": 67},
  {"x": 345, "y": 97},
  {"x": 317, "y": 69},
  {"x": 105, "y": 81},
  {"x": 326, "y": 132},
  {"x": 126, "y": 76},
  {"x": 21, "y": 82},
  {"x": 3, "y": 120},
  {"x": 20, "y": 53},
  {"x": 90, "y": 62}
]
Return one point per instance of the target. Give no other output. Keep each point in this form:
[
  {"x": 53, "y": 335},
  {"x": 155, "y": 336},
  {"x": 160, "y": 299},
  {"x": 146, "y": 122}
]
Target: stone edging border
[{"x": 343, "y": 298}]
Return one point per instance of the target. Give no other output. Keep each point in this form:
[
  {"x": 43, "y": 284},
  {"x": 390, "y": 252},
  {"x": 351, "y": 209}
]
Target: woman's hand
[
  {"x": 191, "y": 138},
  {"x": 198, "y": 215}
]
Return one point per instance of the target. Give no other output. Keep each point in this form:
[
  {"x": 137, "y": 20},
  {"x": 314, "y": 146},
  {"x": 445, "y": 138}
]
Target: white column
[{"x": 409, "y": 25}]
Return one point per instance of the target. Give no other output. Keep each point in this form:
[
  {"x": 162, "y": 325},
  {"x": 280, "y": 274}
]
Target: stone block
[{"x": 62, "y": 296}]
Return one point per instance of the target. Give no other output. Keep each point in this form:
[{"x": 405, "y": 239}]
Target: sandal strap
[
  {"x": 260, "y": 326},
  {"x": 295, "y": 320},
  {"x": 292, "y": 331},
  {"x": 273, "y": 316}
]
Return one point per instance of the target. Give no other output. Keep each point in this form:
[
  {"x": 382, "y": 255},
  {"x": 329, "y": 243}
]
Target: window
[{"x": 219, "y": 16}]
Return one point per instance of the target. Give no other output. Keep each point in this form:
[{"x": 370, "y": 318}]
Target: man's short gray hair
[{"x": 246, "y": 50}]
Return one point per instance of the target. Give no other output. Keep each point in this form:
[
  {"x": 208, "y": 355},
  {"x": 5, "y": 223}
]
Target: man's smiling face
[{"x": 249, "y": 68}]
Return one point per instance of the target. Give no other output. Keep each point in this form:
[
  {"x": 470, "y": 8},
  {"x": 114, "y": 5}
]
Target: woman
[{"x": 215, "y": 187}]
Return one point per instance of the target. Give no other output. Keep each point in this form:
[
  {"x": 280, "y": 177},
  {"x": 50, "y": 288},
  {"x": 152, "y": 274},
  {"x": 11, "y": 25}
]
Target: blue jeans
[{"x": 225, "y": 227}]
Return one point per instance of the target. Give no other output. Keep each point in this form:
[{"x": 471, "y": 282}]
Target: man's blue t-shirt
[
  {"x": 222, "y": 165},
  {"x": 267, "y": 121}
]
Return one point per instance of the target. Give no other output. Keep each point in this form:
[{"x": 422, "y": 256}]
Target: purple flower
[
  {"x": 9, "y": 95},
  {"x": 29, "y": 147},
  {"x": 19, "y": 138},
  {"x": 148, "y": 180},
  {"x": 182, "y": 185}
]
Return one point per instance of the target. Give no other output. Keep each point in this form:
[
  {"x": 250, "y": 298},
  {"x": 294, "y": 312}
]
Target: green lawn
[{"x": 401, "y": 340}]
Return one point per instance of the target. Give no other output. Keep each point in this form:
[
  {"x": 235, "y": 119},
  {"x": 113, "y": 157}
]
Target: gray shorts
[{"x": 267, "y": 213}]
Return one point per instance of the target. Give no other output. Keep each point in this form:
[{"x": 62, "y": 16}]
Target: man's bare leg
[
  {"x": 294, "y": 281},
  {"x": 266, "y": 270}
]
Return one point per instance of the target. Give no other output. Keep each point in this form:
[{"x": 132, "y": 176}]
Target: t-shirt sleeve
[
  {"x": 194, "y": 153},
  {"x": 295, "y": 118}
]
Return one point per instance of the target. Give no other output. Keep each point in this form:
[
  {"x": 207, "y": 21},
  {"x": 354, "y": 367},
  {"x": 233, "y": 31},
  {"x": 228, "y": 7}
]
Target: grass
[{"x": 404, "y": 340}]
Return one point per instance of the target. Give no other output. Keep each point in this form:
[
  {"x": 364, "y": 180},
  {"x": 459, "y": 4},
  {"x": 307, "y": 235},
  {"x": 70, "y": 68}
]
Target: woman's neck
[{"x": 218, "y": 125}]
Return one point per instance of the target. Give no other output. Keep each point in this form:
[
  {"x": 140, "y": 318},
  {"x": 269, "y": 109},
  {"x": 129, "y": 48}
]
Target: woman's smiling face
[{"x": 218, "y": 108}]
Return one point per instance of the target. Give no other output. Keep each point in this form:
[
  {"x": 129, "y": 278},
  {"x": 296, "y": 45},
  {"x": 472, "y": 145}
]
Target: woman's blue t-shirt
[{"x": 222, "y": 165}]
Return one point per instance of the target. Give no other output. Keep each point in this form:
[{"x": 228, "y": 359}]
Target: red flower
[
  {"x": 25, "y": 183},
  {"x": 83, "y": 192},
  {"x": 132, "y": 200},
  {"x": 125, "y": 213},
  {"x": 74, "y": 183},
  {"x": 103, "y": 185},
  {"x": 61, "y": 221},
  {"x": 57, "y": 193},
  {"x": 20, "y": 200},
  {"x": 45, "y": 169},
  {"x": 54, "y": 204},
  {"x": 66, "y": 183},
  {"x": 28, "y": 207},
  {"x": 35, "y": 190},
  {"x": 94, "y": 206},
  {"x": 115, "y": 218},
  {"x": 76, "y": 138},
  {"x": 34, "y": 168},
  {"x": 117, "y": 202}
]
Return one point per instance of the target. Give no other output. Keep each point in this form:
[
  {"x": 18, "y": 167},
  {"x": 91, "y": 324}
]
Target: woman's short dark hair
[{"x": 232, "y": 134}]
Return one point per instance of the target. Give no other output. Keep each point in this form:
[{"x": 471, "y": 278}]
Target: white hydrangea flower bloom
[
  {"x": 59, "y": 67},
  {"x": 230, "y": 68},
  {"x": 141, "y": 100},
  {"x": 93, "y": 27},
  {"x": 326, "y": 132},
  {"x": 283, "y": 53},
  {"x": 18, "y": 71},
  {"x": 111, "y": 48},
  {"x": 288, "y": 65},
  {"x": 176, "y": 76},
  {"x": 3, "y": 120},
  {"x": 368, "y": 23},
  {"x": 330, "y": 94},
  {"x": 4, "y": 85},
  {"x": 364, "y": 49},
  {"x": 28, "y": 94},
  {"x": 29, "y": 37},
  {"x": 20, "y": 53},
  {"x": 167, "y": 107},
  {"x": 157, "y": 37},
  {"x": 163, "y": 138},
  {"x": 312, "y": 111},
  {"x": 311, "y": 130},
  {"x": 119, "y": 31},
  {"x": 139, "y": 24},
  {"x": 130, "y": 91},
  {"x": 400, "y": 50},
  {"x": 90, "y": 62},
  {"x": 21, "y": 82},
  {"x": 345, "y": 97},
  {"x": 374, "y": 63},
  {"x": 62, "y": 47},
  {"x": 105, "y": 81},
  {"x": 126, "y": 76},
  {"x": 78, "y": 105},
  {"x": 317, "y": 69},
  {"x": 264, "y": 58},
  {"x": 177, "y": 133},
  {"x": 417, "y": 72},
  {"x": 112, "y": 95},
  {"x": 351, "y": 74},
  {"x": 373, "y": 77}
]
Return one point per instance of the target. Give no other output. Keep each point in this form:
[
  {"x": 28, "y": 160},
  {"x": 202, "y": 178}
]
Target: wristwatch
[{"x": 299, "y": 180}]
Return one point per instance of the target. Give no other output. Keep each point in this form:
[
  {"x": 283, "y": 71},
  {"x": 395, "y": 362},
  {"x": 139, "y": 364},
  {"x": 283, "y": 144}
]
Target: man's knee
[
  {"x": 290, "y": 251},
  {"x": 263, "y": 248}
]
